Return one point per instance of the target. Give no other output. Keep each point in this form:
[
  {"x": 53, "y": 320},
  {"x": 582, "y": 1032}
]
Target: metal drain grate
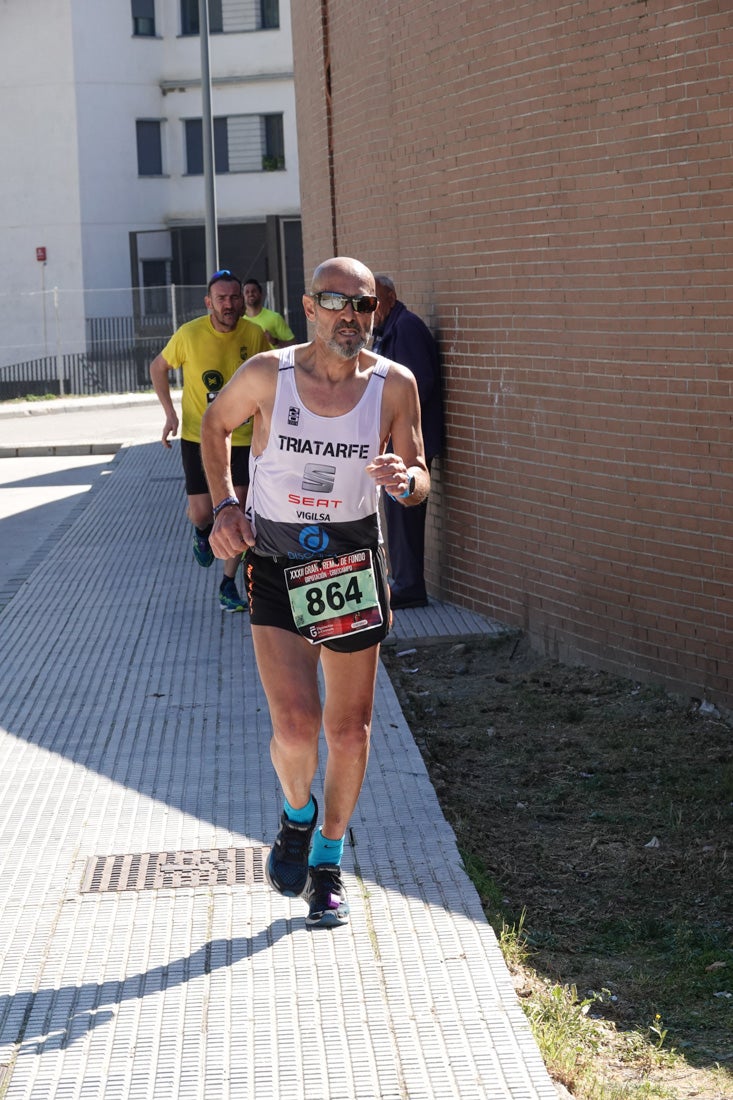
[{"x": 168, "y": 870}]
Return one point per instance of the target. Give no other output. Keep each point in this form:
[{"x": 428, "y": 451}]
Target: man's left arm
[
  {"x": 402, "y": 472},
  {"x": 278, "y": 332}
]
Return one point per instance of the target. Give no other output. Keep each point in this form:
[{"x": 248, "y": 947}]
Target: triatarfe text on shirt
[{"x": 324, "y": 448}]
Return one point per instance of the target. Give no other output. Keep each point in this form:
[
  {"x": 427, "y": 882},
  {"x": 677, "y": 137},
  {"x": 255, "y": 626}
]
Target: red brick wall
[{"x": 550, "y": 187}]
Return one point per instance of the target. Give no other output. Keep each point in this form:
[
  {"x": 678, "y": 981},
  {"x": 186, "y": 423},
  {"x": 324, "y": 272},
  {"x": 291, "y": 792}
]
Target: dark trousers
[{"x": 406, "y": 544}]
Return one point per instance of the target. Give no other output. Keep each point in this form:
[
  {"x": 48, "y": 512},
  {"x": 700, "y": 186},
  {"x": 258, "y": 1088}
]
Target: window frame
[
  {"x": 268, "y": 16},
  {"x": 269, "y": 9},
  {"x": 274, "y": 143},
  {"x": 271, "y": 153},
  {"x": 193, "y": 141},
  {"x": 189, "y": 15},
  {"x": 143, "y": 18},
  {"x": 143, "y": 150},
  {"x": 155, "y": 293}
]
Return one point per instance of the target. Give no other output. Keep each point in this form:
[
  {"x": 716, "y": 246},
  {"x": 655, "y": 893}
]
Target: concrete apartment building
[
  {"x": 550, "y": 186},
  {"x": 102, "y": 158}
]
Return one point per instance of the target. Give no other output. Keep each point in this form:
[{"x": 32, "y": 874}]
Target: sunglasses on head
[
  {"x": 331, "y": 299},
  {"x": 224, "y": 273}
]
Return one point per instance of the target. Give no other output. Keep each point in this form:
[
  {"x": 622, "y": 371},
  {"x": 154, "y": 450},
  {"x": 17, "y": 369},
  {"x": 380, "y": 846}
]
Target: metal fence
[{"x": 86, "y": 342}]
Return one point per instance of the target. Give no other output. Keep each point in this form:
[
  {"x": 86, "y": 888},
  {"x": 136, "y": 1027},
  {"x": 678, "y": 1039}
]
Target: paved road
[
  {"x": 93, "y": 421},
  {"x": 52, "y": 453},
  {"x": 142, "y": 952}
]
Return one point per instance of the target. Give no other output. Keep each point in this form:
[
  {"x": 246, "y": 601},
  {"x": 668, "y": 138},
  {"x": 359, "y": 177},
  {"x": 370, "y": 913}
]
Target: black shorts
[
  {"x": 269, "y": 604},
  {"x": 193, "y": 469}
]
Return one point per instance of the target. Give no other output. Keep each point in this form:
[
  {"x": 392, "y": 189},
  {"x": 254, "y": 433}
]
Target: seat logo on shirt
[{"x": 318, "y": 478}]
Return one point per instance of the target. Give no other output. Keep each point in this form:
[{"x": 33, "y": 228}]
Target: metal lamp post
[{"x": 207, "y": 127}]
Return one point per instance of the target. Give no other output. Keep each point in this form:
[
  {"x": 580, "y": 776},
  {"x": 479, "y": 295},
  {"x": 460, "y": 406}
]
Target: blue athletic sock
[
  {"x": 304, "y": 816},
  {"x": 324, "y": 850}
]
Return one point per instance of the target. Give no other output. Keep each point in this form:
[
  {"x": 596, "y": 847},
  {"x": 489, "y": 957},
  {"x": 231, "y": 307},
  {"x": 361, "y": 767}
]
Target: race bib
[{"x": 334, "y": 597}]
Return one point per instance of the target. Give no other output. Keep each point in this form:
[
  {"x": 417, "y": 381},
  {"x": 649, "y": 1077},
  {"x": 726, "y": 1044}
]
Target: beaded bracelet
[{"x": 227, "y": 502}]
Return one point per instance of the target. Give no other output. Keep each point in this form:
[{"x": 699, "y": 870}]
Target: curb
[
  {"x": 75, "y": 404},
  {"x": 60, "y": 449}
]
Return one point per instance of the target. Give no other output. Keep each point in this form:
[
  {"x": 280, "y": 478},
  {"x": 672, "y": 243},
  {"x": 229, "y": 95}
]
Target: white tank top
[{"x": 309, "y": 494}]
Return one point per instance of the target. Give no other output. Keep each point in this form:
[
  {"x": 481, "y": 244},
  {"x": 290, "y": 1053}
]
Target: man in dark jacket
[{"x": 403, "y": 337}]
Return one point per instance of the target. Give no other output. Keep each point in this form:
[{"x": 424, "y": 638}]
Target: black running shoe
[
  {"x": 328, "y": 906},
  {"x": 229, "y": 598},
  {"x": 287, "y": 868},
  {"x": 202, "y": 552}
]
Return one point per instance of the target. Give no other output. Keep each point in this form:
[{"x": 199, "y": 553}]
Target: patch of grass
[
  {"x": 31, "y": 397},
  {"x": 569, "y": 1038},
  {"x": 574, "y": 1044},
  {"x": 486, "y": 887},
  {"x": 595, "y": 818}
]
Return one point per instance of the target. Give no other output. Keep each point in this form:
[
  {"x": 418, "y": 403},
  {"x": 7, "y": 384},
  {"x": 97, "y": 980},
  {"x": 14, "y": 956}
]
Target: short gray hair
[{"x": 385, "y": 280}]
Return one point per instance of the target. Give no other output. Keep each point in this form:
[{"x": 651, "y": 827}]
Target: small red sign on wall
[{"x": 41, "y": 255}]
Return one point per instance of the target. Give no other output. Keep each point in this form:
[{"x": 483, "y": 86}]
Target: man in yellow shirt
[
  {"x": 209, "y": 350},
  {"x": 274, "y": 326}
]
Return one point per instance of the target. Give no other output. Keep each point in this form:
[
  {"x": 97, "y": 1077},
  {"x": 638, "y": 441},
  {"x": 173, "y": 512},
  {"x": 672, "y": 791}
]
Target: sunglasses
[
  {"x": 331, "y": 299},
  {"x": 224, "y": 273}
]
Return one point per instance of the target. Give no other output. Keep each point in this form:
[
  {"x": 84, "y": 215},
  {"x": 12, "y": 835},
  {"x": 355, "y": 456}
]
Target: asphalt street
[
  {"x": 51, "y": 453},
  {"x": 134, "y": 727}
]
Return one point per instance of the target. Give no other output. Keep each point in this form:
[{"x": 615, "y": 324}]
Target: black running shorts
[
  {"x": 193, "y": 469},
  {"x": 269, "y": 604}
]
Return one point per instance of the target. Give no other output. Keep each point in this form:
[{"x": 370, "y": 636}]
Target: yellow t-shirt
[
  {"x": 269, "y": 321},
  {"x": 209, "y": 359}
]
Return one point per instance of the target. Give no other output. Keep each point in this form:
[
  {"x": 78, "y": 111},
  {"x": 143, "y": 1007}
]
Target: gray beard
[{"x": 348, "y": 350}]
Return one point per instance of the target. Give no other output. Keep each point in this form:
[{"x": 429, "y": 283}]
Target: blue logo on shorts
[{"x": 313, "y": 539}]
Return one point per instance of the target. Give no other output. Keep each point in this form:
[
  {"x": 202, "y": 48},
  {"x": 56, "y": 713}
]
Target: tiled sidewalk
[{"x": 133, "y": 724}]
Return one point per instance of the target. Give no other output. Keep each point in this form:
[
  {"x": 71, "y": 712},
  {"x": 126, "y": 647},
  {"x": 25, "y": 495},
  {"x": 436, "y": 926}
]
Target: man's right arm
[
  {"x": 159, "y": 376},
  {"x": 243, "y": 396}
]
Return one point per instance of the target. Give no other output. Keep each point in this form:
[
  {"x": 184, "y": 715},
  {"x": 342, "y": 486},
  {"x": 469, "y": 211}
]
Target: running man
[{"x": 316, "y": 579}]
